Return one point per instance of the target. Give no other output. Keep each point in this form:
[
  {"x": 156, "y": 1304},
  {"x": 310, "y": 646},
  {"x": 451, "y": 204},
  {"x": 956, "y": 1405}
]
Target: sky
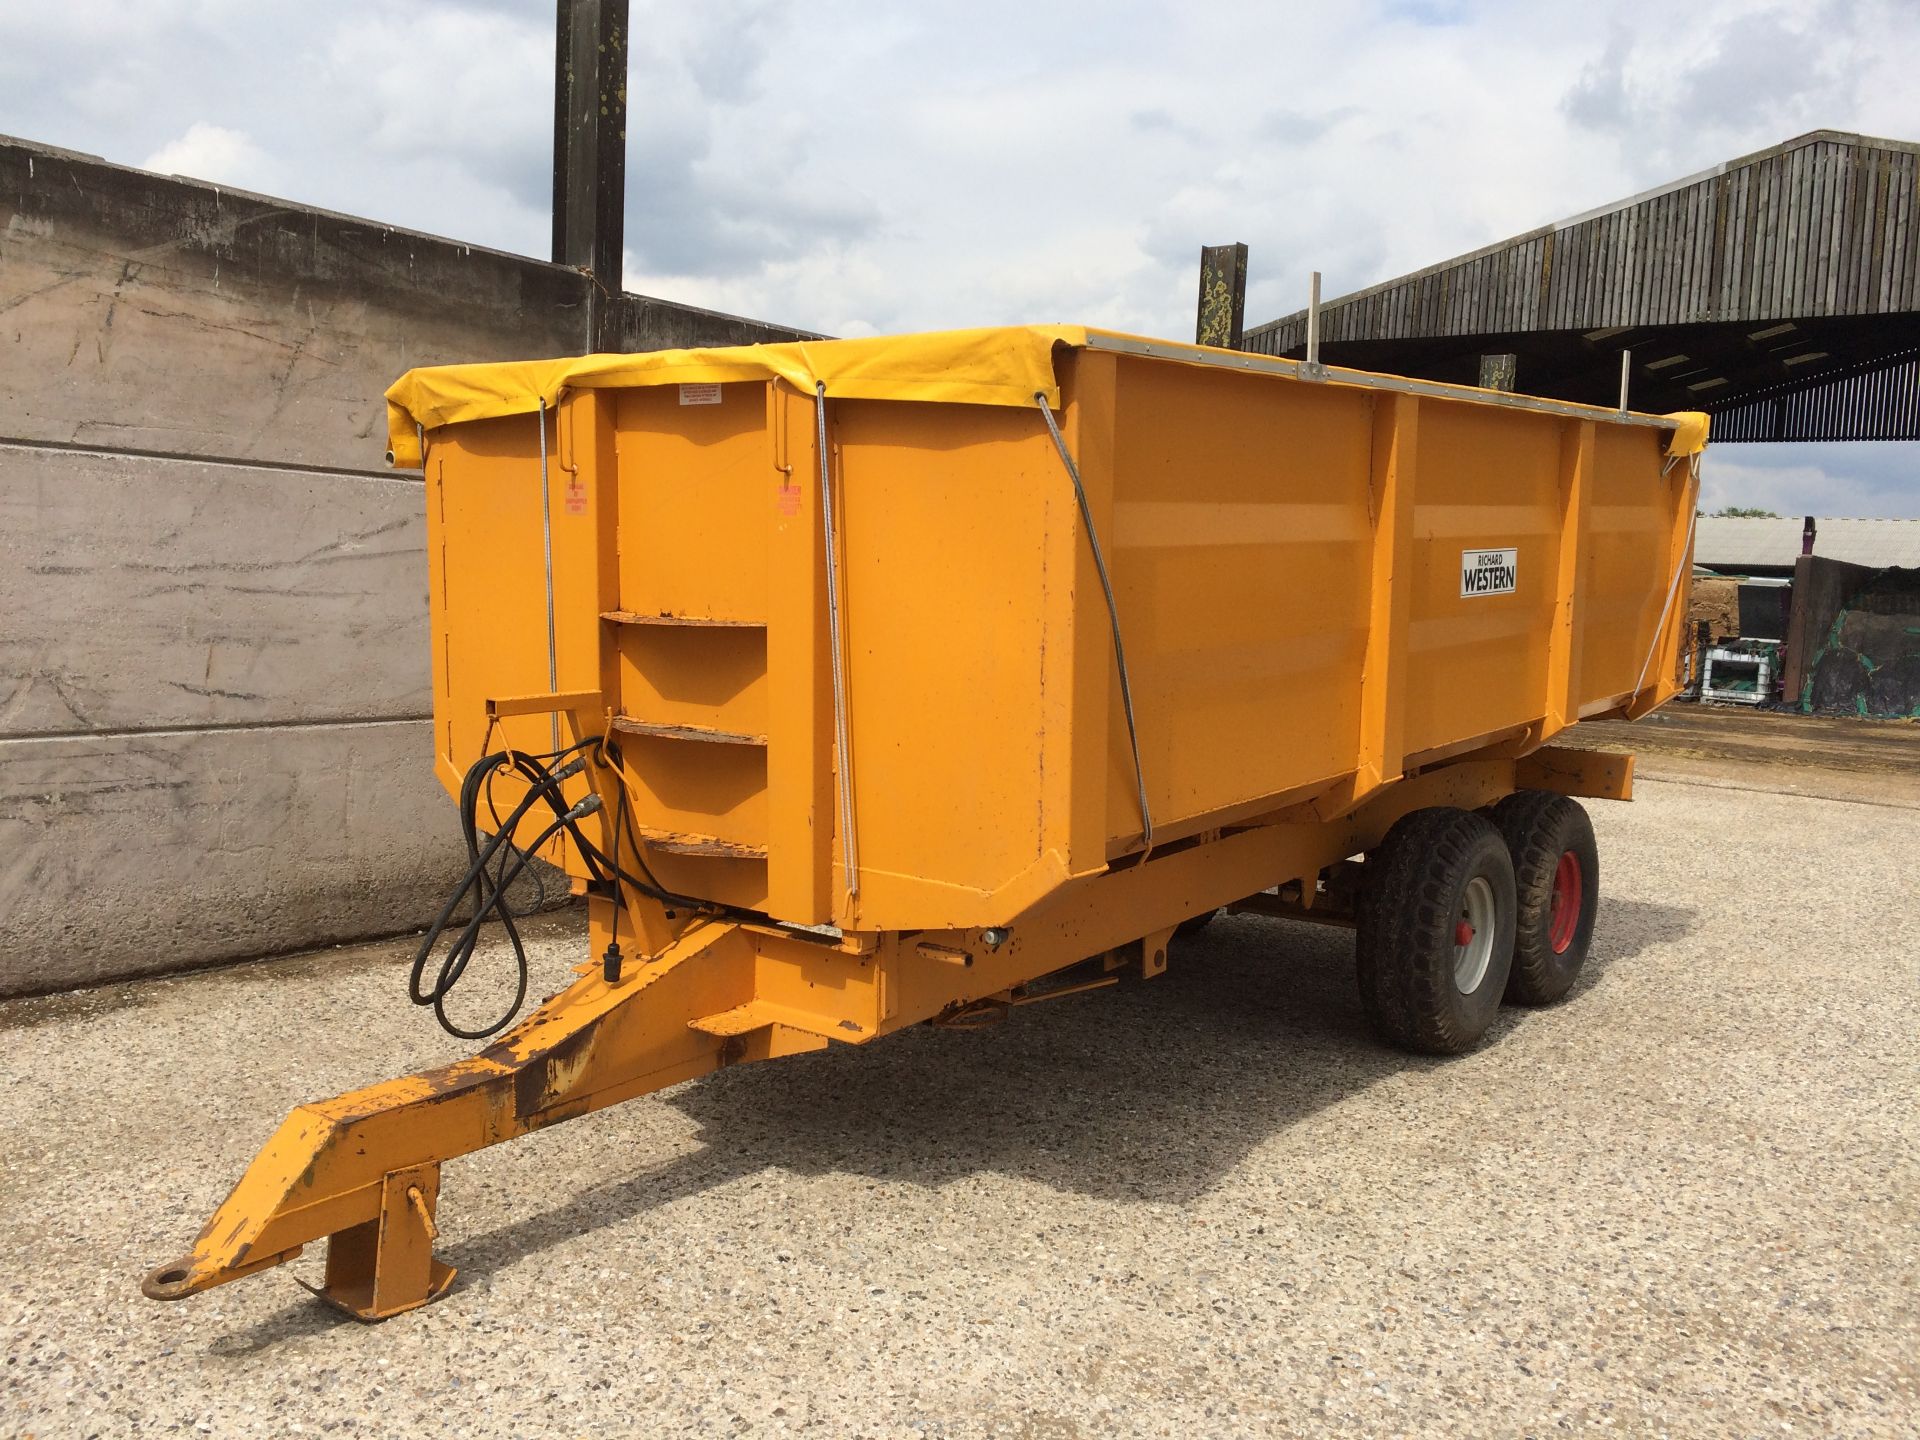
[{"x": 864, "y": 168}]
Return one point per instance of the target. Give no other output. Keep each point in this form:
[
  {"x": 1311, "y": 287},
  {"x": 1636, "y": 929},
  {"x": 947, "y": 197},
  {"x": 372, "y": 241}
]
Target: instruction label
[
  {"x": 699, "y": 394},
  {"x": 1489, "y": 572}
]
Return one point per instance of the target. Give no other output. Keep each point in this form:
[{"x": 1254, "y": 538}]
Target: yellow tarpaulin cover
[
  {"x": 1690, "y": 436},
  {"x": 1006, "y": 365}
]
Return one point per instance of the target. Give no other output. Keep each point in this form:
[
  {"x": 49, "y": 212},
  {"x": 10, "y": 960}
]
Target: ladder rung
[
  {"x": 633, "y": 617},
  {"x": 676, "y": 842},
  {"x": 741, "y": 1020},
  {"x": 627, "y": 725}
]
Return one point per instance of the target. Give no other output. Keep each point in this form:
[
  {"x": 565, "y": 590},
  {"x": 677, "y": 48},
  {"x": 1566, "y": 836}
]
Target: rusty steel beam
[
  {"x": 590, "y": 151},
  {"x": 1223, "y": 296}
]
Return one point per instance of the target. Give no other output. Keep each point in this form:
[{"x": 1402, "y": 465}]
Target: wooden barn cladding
[
  {"x": 1822, "y": 225},
  {"x": 1780, "y": 292}
]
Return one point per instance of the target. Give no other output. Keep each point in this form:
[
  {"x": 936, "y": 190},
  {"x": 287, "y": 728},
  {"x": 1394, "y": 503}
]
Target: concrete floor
[
  {"x": 1842, "y": 758},
  {"x": 1686, "y": 1202}
]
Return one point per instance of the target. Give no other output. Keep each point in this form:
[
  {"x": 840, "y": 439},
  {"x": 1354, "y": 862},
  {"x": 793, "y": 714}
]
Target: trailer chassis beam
[{"x": 363, "y": 1170}]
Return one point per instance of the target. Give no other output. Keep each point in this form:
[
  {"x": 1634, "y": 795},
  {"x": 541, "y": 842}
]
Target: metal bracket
[
  {"x": 1311, "y": 368},
  {"x": 386, "y": 1266},
  {"x": 554, "y": 704},
  {"x": 1153, "y": 952},
  {"x": 1590, "y": 774}
]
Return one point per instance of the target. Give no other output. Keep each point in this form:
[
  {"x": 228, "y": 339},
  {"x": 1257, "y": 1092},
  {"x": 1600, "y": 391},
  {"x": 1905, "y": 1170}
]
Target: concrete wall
[{"x": 213, "y": 648}]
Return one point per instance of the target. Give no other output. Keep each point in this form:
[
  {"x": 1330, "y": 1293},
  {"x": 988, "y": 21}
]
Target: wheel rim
[
  {"x": 1473, "y": 936},
  {"x": 1568, "y": 891}
]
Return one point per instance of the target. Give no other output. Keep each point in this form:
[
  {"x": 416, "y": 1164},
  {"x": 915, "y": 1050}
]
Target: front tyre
[
  {"x": 1556, "y": 870},
  {"x": 1436, "y": 928}
]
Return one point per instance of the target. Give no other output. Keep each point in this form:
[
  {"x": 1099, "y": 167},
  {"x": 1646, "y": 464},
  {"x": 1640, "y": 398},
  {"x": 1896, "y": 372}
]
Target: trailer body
[{"x": 925, "y": 668}]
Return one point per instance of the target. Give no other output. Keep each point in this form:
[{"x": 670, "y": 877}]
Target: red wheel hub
[
  {"x": 1463, "y": 933},
  {"x": 1569, "y": 887}
]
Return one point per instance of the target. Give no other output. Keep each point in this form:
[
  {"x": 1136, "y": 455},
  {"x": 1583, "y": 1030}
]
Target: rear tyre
[
  {"x": 1436, "y": 925},
  {"x": 1556, "y": 872}
]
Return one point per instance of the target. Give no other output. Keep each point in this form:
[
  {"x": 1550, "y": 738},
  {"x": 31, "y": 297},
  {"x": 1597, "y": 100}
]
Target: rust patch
[
  {"x": 555, "y": 1114},
  {"x": 539, "y": 1083}
]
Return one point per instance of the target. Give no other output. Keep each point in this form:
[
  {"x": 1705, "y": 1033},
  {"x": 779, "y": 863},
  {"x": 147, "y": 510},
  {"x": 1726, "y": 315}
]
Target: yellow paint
[
  {"x": 1287, "y": 564},
  {"x": 1002, "y": 366}
]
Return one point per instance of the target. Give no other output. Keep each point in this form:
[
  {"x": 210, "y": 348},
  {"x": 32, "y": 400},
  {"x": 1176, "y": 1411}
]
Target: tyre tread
[
  {"x": 1406, "y": 920},
  {"x": 1539, "y": 825}
]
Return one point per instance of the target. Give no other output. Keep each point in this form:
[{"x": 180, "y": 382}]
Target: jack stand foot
[{"x": 386, "y": 1266}]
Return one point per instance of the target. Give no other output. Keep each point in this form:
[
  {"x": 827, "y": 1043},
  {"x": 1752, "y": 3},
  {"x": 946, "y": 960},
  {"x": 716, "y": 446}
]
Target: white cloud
[
  {"x": 851, "y": 167},
  {"x": 1868, "y": 478},
  {"x": 1067, "y": 160},
  {"x": 213, "y": 152}
]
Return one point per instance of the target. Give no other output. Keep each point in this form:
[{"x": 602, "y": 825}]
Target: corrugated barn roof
[{"x": 1726, "y": 543}]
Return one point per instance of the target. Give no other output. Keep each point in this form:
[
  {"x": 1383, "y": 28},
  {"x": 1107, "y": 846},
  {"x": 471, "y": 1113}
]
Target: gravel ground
[{"x": 1684, "y": 1202}]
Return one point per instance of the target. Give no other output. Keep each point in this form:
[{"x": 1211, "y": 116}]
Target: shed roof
[
  {"x": 1728, "y": 543},
  {"x": 1779, "y": 290}
]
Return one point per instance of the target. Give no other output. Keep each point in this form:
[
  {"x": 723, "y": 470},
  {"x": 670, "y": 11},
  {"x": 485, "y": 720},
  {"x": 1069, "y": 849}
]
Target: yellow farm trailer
[{"x": 861, "y": 684}]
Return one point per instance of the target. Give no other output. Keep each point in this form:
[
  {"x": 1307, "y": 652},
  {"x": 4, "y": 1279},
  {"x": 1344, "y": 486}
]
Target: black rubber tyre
[
  {"x": 1194, "y": 924},
  {"x": 1556, "y": 874},
  {"x": 1429, "y": 980}
]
